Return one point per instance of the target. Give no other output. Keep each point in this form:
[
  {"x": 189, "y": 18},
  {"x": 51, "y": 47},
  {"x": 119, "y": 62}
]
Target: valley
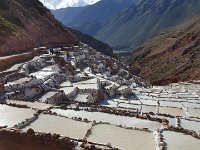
[
  {"x": 112, "y": 75},
  {"x": 64, "y": 93}
]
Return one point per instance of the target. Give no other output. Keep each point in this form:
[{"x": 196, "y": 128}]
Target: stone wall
[{"x": 9, "y": 61}]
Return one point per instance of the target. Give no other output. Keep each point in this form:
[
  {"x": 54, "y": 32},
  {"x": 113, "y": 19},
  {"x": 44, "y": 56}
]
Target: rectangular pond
[
  {"x": 180, "y": 141},
  {"x": 190, "y": 125},
  {"x": 122, "y": 138},
  {"x": 36, "y": 105},
  {"x": 110, "y": 118},
  {"x": 60, "y": 125},
  {"x": 172, "y": 111},
  {"x": 10, "y": 116},
  {"x": 194, "y": 112}
]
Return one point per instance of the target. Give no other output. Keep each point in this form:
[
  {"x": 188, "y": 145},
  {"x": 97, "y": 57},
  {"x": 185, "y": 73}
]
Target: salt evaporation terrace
[{"x": 93, "y": 99}]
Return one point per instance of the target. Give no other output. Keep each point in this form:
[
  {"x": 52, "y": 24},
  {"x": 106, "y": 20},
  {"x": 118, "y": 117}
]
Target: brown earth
[
  {"x": 171, "y": 56},
  {"x": 28, "y": 24}
]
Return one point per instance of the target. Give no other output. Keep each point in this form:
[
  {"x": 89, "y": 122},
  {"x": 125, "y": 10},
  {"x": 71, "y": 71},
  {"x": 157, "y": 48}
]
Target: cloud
[{"x": 56, "y": 4}]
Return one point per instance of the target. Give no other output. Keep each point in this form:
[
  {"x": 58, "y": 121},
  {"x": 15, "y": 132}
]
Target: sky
[{"x": 56, "y": 4}]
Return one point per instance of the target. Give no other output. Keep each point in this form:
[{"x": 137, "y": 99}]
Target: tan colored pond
[
  {"x": 147, "y": 109},
  {"x": 172, "y": 111},
  {"x": 10, "y": 116},
  {"x": 122, "y": 138},
  {"x": 60, "y": 125},
  {"x": 180, "y": 141}
]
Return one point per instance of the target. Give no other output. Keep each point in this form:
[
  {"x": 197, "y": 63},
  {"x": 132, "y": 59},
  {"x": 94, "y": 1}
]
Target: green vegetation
[{"x": 6, "y": 26}]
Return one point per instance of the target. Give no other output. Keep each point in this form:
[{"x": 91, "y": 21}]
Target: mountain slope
[
  {"x": 65, "y": 15},
  {"x": 94, "y": 43},
  {"x": 133, "y": 26},
  {"x": 87, "y": 17},
  {"x": 28, "y": 24},
  {"x": 171, "y": 56}
]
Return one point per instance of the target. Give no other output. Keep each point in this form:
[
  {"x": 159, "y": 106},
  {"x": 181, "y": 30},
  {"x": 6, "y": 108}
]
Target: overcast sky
[{"x": 56, "y": 4}]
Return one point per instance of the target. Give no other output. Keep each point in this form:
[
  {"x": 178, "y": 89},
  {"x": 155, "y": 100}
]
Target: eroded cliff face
[{"x": 28, "y": 24}]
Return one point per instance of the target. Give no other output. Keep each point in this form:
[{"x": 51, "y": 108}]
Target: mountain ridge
[{"x": 136, "y": 24}]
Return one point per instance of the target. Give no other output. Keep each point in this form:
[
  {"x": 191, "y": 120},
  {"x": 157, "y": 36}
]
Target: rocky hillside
[
  {"x": 28, "y": 24},
  {"x": 133, "y": 26},
  {"x": 171, "y": 56}
]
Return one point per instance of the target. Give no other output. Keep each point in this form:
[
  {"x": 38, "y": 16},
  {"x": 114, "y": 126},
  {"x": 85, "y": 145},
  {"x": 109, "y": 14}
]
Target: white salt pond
[
  {"x": 180, "y": 141},
  {"x": 190, "y": 125},
  {"x": 172, "y": 111},
  {"x": 36, "y": 105},
  {"x": 149, "y": 102},
  {"x": 131, "y": 106},
  {"x": 113, "y": 119},
  {"x": 190, "y": 105},
  {"x": 9, "y": 116},
  {"x": 60, "y": 125},
  {"x": 122, "y": 138},
  {"x": 194, "y": 112}
]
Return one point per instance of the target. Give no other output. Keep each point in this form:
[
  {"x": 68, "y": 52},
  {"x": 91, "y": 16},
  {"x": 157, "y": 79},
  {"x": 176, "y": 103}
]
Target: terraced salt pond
[
  {"x": 170, "y": 104},
  {"x": 63, "y": 126},
  {"x": 36, "y": 105},
  {"x": 190, "y": 105},
  {"x": 180, "y": 141},
  {"x": 9, "y": 116},
  {"x": 190, "y": 125},
  {"x": 194, "y": 112},
  {"x": 147, "y": 109},
  {"x": 113, "y": 119},
  {"x": 172, "y": 111},
  {"x": 129, "y": 106},
  {"x": 122, "y": 138}
]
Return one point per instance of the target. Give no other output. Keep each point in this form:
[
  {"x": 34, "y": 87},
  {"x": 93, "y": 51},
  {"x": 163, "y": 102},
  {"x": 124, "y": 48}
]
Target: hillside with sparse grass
[
  {"x": 28, "y": 24},
  {"x": 173, "y": 55}
]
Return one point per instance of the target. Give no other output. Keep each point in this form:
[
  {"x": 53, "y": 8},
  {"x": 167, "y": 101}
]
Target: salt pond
[
  {"x": 191, "y": 125},
  {"x": 122, "y": 138},
  {"x": 10, "y": 116},
  {"x": 194, "y": 112},
  {"x": 36, "y": 105},
  {"x": 180, "y": 141},
  {"x": 113, "y": 119},
  {"x": 172, "y": 111},
  {"x": 147, "y": 109},
  {"x": 170, "y": 104},
  {"x": 60, "y": 125}
]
